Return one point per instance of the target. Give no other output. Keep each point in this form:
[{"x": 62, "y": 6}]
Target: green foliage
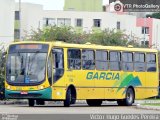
[
  {"x": 154, "y": 15},
  {"x": 2, "y": 63},
  {"x": 107, "y": 37},
  {"x": 68, "y": 34},
  {"x": 51, "y": 33}
]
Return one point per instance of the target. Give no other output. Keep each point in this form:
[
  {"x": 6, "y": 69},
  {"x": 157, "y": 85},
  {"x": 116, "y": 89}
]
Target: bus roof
[{"x": 89, "y": 46}]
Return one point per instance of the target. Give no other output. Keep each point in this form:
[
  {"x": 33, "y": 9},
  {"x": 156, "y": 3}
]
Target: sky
[{"x": 52, "y": 4}]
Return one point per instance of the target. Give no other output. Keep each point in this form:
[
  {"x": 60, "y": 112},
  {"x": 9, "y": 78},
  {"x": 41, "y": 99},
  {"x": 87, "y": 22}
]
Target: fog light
[{"x": 58, "y": 93}]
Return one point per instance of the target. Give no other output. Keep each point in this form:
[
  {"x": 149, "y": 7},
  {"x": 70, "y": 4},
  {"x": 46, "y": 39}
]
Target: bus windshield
[{"x": 26, "y": 67}]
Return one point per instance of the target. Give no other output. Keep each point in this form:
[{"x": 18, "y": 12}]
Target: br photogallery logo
[{"x": 117, "y": 7}]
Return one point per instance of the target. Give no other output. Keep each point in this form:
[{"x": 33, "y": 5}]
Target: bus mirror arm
[{"x": 3, "y": 55}]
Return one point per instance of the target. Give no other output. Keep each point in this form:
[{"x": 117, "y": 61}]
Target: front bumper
[{"x": 39, "y": 94}]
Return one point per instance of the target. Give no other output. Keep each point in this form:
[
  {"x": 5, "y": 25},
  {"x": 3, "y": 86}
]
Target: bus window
[
  {"x": 151, "y": 62},
  {"x": 74, "y": 59},
  {"x": 88, "y": 60},
  {"x": 127, "y": 59},
  {"x": 58, "y": 63},
  {"x": 139, "y": 62},
  {"x": 115, "y": 59},
  {"x": 101, "y": 60}
]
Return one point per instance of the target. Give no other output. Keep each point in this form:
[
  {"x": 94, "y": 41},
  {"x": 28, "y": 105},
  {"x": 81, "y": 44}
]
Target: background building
[
  {"x": 83, "y": 5},
  {"x": 150, "y": 29},
  {"x": 30, "y": 17},
  {"x": 92, "y": 21},
  {"x": 15, "y": 25},
  {"x": 7, "y": 20}
]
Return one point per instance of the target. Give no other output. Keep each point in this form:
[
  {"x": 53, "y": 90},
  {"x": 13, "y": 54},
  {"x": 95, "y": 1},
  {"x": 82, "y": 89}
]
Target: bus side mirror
[{"x": 3, "y": 55}]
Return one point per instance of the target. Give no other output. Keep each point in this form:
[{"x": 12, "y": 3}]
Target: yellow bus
[{"x": 59, "y": 71}]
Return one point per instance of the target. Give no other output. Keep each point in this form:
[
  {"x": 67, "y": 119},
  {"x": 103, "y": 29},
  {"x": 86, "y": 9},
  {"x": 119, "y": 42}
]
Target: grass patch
[{"x": 152, "y": 104}]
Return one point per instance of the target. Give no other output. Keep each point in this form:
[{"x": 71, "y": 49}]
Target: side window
[
  {"x": 115, "y": 60},
  {"x": 101, "y": 60},
  {"x": 151, "y": 62},
  {"x": 50, "y": 69},
  {"x": 139, "y": 62},
  {"x": 88, "y": 60},
  {"x": 74, "y": 59},
  {"x": 127, "y": 59},
  {"x": 58, "y": 63}
]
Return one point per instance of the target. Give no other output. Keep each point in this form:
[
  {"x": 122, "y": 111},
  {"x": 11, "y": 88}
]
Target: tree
[
  {"x": 154, "y": 15},
  {"x": 70, "y": 35},
  {"x": 2, "y": 63}
]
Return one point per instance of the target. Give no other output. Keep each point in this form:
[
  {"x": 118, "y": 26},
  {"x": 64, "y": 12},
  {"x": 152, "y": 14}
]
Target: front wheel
[
  {"x": 31, "y": 102},
  {"x": 67, "y": 101},
  {"x": 40, "y": 102}
]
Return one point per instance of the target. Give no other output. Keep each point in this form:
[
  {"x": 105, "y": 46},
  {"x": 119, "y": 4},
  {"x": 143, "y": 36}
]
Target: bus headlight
[
  {"x": 41, "y": 87},
  {"x": 8, "y": 87}
]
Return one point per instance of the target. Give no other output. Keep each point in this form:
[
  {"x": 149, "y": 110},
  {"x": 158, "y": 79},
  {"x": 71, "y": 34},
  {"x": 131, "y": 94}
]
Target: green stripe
[{"x": 46, "y": 93}]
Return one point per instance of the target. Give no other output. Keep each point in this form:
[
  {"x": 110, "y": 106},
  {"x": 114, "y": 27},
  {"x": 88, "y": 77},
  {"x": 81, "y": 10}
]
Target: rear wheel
[
  {"x": 94, "y": 102},
  {"x": 130, "y": 96},
  {"x": 31, "y": 102},
  {"x": 129, "y": 99}
]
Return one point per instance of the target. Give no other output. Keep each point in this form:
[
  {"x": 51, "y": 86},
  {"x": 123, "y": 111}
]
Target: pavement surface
[{"x": 109, "y": 108}]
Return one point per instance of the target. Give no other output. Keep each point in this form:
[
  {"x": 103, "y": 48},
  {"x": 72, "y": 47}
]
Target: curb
[{"x": 138, "y": 106}]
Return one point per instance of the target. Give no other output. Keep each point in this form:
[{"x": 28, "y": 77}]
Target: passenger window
[
  {"x": 74, "y": 59},
  {"x": 151, "y": 62},
  {"x": 88, "y": 60},
  {"x": 115, "y": 61},
  {"x": 101, "y": 60},
  {"x": 127, "y": 59},
  {"x": 139, "y": 62},
  {"x": 58, "y": 63}
]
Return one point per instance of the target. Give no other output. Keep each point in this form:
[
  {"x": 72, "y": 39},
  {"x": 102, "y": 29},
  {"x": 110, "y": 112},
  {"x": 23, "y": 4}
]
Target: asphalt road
[{"x": 74, "y": 109}]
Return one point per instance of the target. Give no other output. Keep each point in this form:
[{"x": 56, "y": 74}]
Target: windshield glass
[{"x": 26, "y": 67}]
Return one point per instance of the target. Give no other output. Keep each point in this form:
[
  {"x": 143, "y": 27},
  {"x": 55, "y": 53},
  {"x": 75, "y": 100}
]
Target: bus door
[{"x": 58, "y": 80}]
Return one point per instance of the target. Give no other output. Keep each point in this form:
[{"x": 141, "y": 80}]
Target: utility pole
[{"x": 20, "y": 20}]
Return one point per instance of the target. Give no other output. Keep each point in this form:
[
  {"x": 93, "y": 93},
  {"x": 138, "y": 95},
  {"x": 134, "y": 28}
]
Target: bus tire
[
  {"x": 67, "y": 101},
  {"x": 130, "y": 96},
  {"x": 40, "y": 102},
  {"x": 94, "y": 102},
  {"x": 31, "y": 102}
]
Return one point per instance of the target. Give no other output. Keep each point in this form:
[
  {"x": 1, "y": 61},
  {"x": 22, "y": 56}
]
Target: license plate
[{"x": 24, "y": 92}]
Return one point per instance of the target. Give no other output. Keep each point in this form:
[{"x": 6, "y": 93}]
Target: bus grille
[{"x": 29, "y": 95}]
